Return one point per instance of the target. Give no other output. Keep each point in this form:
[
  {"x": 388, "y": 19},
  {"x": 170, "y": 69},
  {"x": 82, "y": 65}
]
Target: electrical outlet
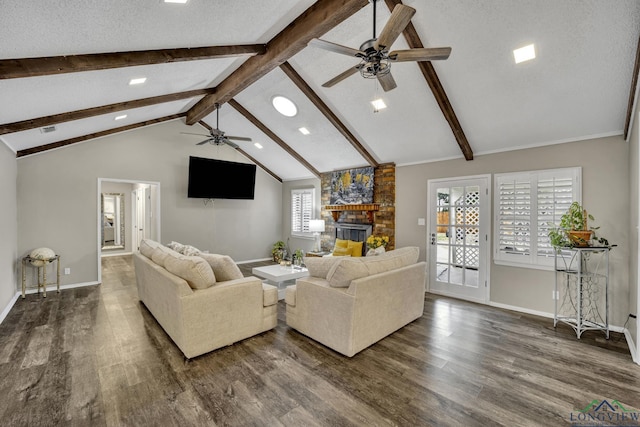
[
  {"x": 555, "y": 295},
  {"x": 67, "y": 271}
]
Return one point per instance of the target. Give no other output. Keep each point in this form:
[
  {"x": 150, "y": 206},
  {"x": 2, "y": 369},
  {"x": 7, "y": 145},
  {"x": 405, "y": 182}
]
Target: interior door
[{"x": 458, "y": 240}]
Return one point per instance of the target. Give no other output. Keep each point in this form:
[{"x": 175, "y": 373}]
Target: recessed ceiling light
[
  {"x": 525, "y": 53},
  {"x": 137, "y": 81},
  {"x": 258, "y": 145},
  {"x": 176, "y": 1},
  {"x": 285, "y": 106},
  {"x": 304, "y": 131},
  {"x": 378, "y": 104},
  {"x": 124, "y": 116}
]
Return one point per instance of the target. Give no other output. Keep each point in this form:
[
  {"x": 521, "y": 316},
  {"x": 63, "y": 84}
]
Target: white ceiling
[{"x": 577, "y": 87}]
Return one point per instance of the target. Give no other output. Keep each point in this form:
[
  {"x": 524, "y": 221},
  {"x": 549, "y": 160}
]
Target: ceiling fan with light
[
  {"x": 374, "y": 54},
  {"x": 218, "y": 137}
]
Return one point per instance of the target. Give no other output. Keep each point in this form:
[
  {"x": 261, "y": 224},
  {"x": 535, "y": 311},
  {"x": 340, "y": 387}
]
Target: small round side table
[{"x": 42, "y": 273}]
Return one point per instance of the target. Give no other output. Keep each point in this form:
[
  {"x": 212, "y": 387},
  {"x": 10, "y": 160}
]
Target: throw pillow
[
  {"x": 223, "y": 267},
  {"x": 341, "y": 252},
  {"x": 190, "y": 250},
  {"x": 147, "y": 246},
  {"x": 355, "y": 248},
  {"x": 341, "y": 243},
  {"x": 346, "y": 270},
  {"x": 194, "y": 270},
  {"x": 178, "y": 247},
  {"x": 320, "y": 266}
]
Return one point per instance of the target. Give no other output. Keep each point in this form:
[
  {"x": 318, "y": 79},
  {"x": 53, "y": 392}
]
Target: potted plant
[
  {"x": 573, "y": 230},
  {"x": 278, "y": 251}
]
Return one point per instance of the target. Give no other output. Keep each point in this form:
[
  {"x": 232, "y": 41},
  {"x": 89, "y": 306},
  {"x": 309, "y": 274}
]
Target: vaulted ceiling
[{"x": 69, "y": 66}]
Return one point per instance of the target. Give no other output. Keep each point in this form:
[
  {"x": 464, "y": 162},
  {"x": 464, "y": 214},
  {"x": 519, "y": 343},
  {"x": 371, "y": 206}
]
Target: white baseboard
[
  {"x": 632, "y": 346},
  {"x": 521, "y": 309},
  {"x": 9, "y": 306}
]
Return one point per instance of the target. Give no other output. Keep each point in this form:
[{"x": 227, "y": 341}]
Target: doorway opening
[{"x": 128, "y": 211}]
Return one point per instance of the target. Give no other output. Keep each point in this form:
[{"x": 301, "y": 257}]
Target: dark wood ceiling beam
[
  {"x": 257, "y": 123},
  {"x": 96, "y": 111},
  {"x": 430, "y": 75},
  {"x": 632, "y": 92},
  {"x": 314, "y": 22},
  {"x": 247, "y": 155},
  {"x": 324, "y": 109},
  {"x": 33, "y": 67},
  {"x": 82, "y": 138}
]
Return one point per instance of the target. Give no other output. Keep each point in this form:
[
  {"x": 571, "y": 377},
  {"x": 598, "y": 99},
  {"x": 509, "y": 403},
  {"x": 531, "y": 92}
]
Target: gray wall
[
  {"x": 306, "y": 244},
  {"x": 634, "y": 223},
  {"x": 8, "y": 231},
  {"x": 57, "y": 194},
  {"x": 605, "y": 193}
]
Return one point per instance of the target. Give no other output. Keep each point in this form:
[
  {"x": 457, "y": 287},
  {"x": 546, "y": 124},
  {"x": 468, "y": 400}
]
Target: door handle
[{"x": 433, "y": 238}]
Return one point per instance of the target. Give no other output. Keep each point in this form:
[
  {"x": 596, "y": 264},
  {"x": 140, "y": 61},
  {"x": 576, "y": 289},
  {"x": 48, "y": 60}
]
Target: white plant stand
[{"x": 582, "y": 289}]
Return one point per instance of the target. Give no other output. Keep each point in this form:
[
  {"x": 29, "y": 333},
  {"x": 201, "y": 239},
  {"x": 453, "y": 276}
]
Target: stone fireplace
[{"x": 378, "y": 216}]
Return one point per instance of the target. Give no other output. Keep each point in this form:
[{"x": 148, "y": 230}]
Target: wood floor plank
[{"x": 96, "y": 356}]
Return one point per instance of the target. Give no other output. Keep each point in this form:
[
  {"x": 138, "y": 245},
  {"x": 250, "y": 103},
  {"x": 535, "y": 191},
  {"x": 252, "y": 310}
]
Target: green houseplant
[
  {"x": 278, "y": 251},
  {"x": 573, "y": 230}
]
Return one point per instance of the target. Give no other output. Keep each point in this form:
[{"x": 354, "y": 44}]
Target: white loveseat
[
  {"x": 202, "y": 302},
  {"x": 348, "y": 303}
]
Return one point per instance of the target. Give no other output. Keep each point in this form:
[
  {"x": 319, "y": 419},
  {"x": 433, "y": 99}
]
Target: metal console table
[{"x": 581, "y": 276}]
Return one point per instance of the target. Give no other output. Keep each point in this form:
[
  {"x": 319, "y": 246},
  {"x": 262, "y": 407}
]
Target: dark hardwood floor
[{"x": 95, "y": 356}]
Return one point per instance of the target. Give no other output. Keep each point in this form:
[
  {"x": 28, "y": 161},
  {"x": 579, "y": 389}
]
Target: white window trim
[
  {"x": 294, "y": 192},
  {"x": 532, "y": 261}
]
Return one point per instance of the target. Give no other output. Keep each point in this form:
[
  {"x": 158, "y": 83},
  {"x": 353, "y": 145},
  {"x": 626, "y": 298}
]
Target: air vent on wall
[{"x": 48, "y": 129}]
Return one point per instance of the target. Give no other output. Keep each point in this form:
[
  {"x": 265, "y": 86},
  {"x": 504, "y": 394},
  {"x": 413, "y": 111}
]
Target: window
[
  {"x": 525, "y": 204},
  {"x": 302, "y": 206}
]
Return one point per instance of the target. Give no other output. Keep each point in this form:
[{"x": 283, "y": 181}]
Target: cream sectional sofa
[
  {"x": 348, "y": 304},
  {"x": 202, "y": 302}
]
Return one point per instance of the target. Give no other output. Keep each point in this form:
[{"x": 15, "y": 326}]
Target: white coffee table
[{"x": 280, "y": 276}]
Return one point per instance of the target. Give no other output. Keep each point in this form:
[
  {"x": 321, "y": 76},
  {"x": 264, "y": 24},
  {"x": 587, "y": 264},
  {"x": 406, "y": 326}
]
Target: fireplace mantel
[{"x": 369, "y": 208}]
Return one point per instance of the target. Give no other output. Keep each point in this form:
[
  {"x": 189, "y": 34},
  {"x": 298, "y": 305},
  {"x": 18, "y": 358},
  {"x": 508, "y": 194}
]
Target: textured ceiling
[{"x": 576, "y": 88}]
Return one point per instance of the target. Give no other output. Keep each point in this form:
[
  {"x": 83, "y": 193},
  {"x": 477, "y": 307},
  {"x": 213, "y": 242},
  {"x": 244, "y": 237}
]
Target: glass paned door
[{"x": 458, "y": 237}]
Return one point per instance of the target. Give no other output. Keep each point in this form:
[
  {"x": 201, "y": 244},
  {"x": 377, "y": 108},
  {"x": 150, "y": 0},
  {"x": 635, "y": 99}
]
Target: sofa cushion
[
  {"x": 346, "y": 270},
  {"x": 355, "y": 248},
  {"x": 391, "y": 260},
  {"x": 223, "y": 267},
  {"x": 160, "y": 254},
  {"x": 147, "y": 246},
  {"x": 194, "y": 270},
  {"x": 320, "y": 266},
  {"x": 269, "y": 295}
]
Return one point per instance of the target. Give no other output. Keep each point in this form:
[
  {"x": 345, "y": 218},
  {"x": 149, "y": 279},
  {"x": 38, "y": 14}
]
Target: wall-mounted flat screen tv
[{"x": 220, "y": 179}]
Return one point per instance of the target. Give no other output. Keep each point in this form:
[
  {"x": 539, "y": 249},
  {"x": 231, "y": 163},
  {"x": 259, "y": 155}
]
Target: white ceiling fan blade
[
  {"x": 421, "y": 54},
  {"x": 336, "y": 48},
  {"x": 340, "y": 77},
  {"x": 230, "y": 144},
  {"x": 239, "y": 138},
  {"x": 189, "y": 133},
  {"x": 387, "y": 82},
  {"x": 204, "y": 142},
  {"x": 400, "y": 18}
]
